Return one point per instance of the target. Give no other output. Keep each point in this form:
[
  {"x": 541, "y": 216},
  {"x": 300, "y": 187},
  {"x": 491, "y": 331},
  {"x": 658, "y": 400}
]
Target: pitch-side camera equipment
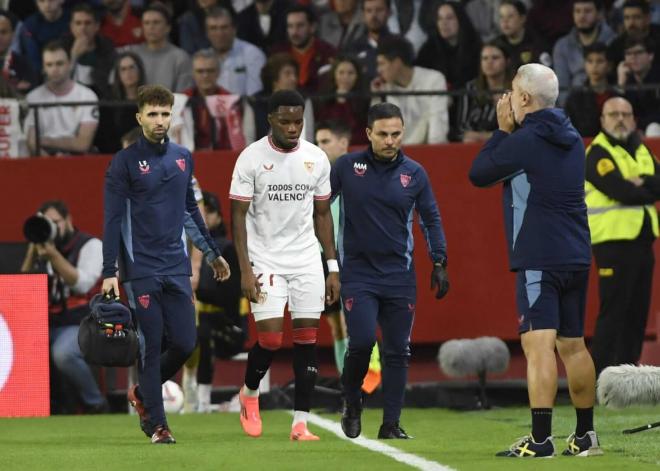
[{"x": 39, "y": 229}]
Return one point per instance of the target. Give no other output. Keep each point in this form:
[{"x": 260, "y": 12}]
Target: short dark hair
[
  {"x": 161, "y": 8},
  {"x": 88, "y": 9},
  {"x": 641, "y": 4},
  {"x": 154, "y": 95},
  {"x": 132, "y": 136},
  {"x": 647, "y": 43},
  {"x": 271, "y": 69},
  {"x": 13, "y": 20},
  {"x": 393, "y": 47},
  {"x": 58, "y": 205},
  {"x": 517, "y": 4},
  {"x": 217, "y": 11},
  {"x": 597, "y": 3},
  {"x": 56, "y": 45},
  {"x": 285, "y": 98},
  {"x": 383, "y": 111},
  {"x": 595, "y": 48},
  {"x": 309, "y": 13},
  {"x": 336, "y": 127}
]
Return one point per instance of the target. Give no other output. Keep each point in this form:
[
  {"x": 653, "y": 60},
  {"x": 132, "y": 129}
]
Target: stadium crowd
[{"x": 444, "y": 63}]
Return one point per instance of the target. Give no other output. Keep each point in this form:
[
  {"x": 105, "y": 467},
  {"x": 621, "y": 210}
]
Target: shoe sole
[{"x": 594, "y": 451}]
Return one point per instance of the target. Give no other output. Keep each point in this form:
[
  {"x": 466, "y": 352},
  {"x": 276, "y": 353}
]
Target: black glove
[{"x": 440, "y": 280}]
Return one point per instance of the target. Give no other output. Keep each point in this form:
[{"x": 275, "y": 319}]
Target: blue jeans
[{"x": 69, "y": 362}]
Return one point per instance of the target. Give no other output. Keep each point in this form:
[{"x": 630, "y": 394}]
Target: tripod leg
[{"x": 642, "y": 428}]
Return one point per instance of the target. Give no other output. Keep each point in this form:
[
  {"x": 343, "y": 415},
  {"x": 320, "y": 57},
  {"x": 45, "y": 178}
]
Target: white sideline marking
[{"x": 379, "y": 447}]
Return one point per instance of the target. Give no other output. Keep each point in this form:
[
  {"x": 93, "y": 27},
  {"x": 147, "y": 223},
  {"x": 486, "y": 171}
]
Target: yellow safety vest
[{"x": 609, "y": 219}]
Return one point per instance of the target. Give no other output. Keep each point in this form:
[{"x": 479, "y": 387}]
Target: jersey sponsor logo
[
  {"x": 359, "y": 168},
  {"x": 309, "y": 166},
  {"x": 405, "y": 180},
  {"x": 144, "y": 300},
  {"x": 348, "y": 304},
  {"x": 268, "y": 168},
  {"x": 182, "y": 164},
  {"x": 144, "y": 167}
]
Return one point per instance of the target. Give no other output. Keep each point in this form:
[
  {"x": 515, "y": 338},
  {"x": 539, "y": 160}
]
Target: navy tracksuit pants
[
  {"x": 162, "y": 305},
  {"x": 393, "y": 308}
]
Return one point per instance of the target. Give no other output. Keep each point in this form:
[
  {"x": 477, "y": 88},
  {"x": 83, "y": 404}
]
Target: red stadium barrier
[
  {"x": 481, "y": 300},
  {"x": 24, "y": 384}
]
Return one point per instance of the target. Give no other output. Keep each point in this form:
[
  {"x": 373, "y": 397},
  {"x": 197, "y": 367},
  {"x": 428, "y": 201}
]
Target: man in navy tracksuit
[
  {"x": 380, "y": 189},
  {"x": 542, "y": 166},
  {"x": 148, "y": 193}
]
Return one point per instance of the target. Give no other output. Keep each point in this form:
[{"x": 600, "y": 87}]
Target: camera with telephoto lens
[{"x": 39, "y": 229}]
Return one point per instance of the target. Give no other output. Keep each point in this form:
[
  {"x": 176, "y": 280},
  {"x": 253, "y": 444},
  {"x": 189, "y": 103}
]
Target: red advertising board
[{"x": 24, "y": 385}]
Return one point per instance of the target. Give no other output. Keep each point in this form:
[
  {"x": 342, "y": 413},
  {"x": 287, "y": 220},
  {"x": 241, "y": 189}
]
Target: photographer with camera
[{"x": 73, "y": 261}]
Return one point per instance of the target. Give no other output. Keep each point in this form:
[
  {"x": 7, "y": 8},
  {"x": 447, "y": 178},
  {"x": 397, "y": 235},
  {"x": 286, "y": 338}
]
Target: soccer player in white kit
[{"x": 280, "y": 192}]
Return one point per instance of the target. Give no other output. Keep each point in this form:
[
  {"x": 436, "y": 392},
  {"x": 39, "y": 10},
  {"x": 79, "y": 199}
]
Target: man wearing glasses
[{"x": 622, "y": 186}]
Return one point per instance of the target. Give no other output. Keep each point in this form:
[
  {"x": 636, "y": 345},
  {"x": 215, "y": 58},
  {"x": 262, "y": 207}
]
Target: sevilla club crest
[
  {"x": 348, "y": 304},
  {"x": 309, "y": 166},
  {"x": 144, "y": 300},
  {"x": 405, "y": 180},
  {"x": 182, "y": 164}
]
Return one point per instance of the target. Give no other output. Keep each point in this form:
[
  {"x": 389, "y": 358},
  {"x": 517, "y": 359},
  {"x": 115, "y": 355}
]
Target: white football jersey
[{"x": 282, "y": 186}]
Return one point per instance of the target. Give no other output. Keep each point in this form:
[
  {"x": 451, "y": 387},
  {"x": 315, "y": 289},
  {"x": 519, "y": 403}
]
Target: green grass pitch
[{"x": 461, "y": 440}]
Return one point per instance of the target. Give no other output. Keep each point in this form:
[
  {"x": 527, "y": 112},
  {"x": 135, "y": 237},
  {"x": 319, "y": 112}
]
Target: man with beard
[
  {"x": 148, "y": 195},
  {"x": 568, "y": 54},
  {"x": 374, "y": 15},
  {"x": 636, "y": 25},
  {"x": 73, "y": 262},
  {"x": 622, "y": 186}
]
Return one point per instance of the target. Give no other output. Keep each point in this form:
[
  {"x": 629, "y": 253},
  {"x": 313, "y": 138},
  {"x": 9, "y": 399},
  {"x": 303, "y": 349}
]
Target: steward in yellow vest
[{"x": 621, "y": 188}]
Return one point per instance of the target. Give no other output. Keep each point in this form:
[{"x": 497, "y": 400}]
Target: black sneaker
[
  {"x": 526, "y": 447},
  {"x": 351, "y": 422},
  {"x": 392, "y": 430},
  {"x": 586, "y": 445},
  {"x": 162, "y": 435}
]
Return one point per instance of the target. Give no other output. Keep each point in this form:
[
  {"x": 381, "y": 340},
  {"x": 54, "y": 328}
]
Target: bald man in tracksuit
[{"x": 380, "y": 189}]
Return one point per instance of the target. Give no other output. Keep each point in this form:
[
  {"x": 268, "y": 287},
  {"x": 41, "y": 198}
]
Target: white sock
[
  {"x": 250, "y": 392},
  {"x": 300, "y": 416},
  {"x": 203, "y": 397}
]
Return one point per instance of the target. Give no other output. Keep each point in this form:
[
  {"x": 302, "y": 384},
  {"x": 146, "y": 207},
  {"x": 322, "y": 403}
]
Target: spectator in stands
[
  {"x": 638, "y": 69},
  {"x": 346, "y": 78},
  {"x": 550, "y": 19},
  {"x": 568, "y": 54},
  {"x": 412, "y": 19},
  {"x": 221, "y": 129},
  {"x": 263, "y": 23},
  {"x": 485, "y": 17},
  {"x": 342, "y": 25},
  {"x": 453, "y": 48},
  {"x": 312, "y": 54},
  {"x": 17, "y": 73},
  {"x": 164, "y": 63},
  {"x": 477, "y": 108},
  {"x": 128, "y": 75},
  {"x": 73, "y": 262},
  {"x": 636, "y": 25},
  {"x": 192, "y": 24},
  {"x": 120, "y": 23},
  {"x": 62, "y": 129},
  {"x": 521, "y": 44},
  {"x": 279, "y": 73},
  {"x": 584, "y": 105},
  {"x": 92, "y": 55},
  {"x": 374, "y": 15},
  {"x": 426, "y": 117},
  {"x": 240, "y": 61},
  {"x": 50, "y": 22}
]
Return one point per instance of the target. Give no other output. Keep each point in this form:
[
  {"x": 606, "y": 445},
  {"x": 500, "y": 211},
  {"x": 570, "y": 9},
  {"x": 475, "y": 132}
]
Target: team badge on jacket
[
  {"x": 144, "y": 167},
  {"x": 144, "y": 300},
  {"x": 182, "y": 164},
  {"x": 405, "y": 180}
]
